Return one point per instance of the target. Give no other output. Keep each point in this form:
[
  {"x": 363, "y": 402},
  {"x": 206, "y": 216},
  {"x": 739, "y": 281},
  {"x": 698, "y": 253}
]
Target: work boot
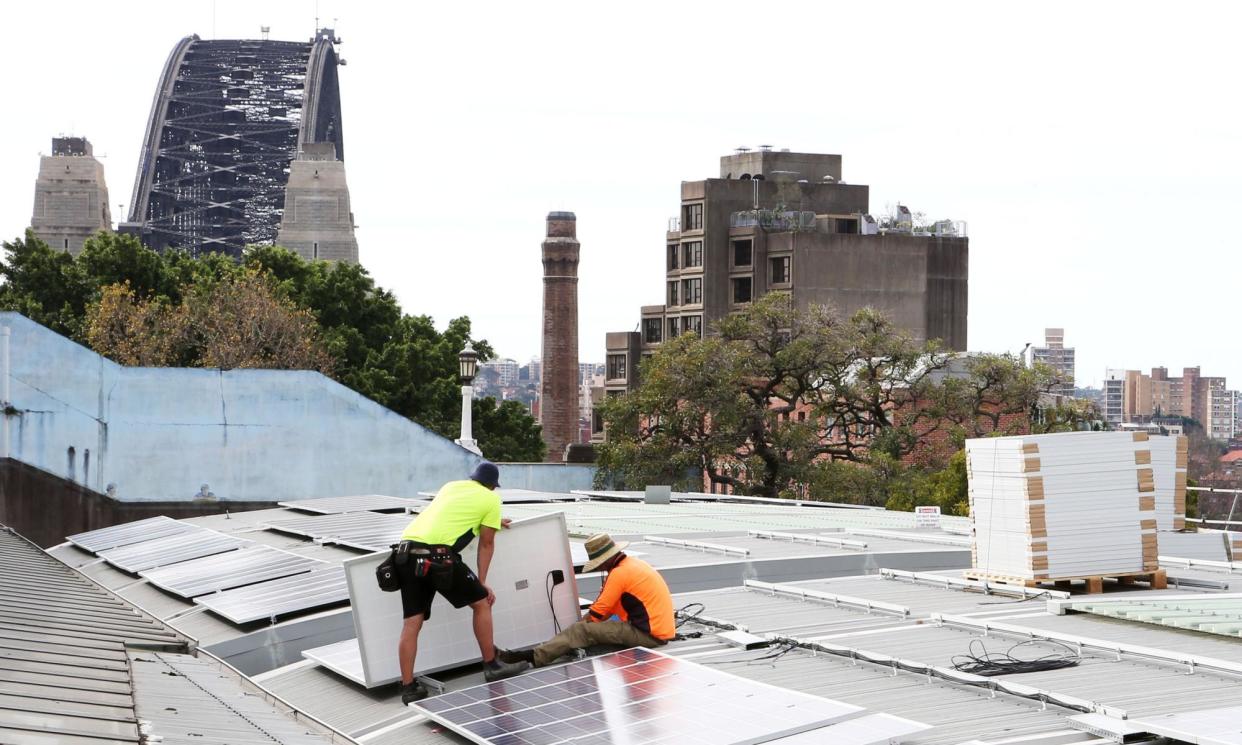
[
  {"x": 497, "y": 670},
  {"x": 411, "y": 692},
  {"x": 515, "y": 655}
]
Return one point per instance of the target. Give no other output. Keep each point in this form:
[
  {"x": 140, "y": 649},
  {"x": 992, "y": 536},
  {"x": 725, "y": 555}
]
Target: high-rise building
[
  {"x": 1146, "y": 397},
  {"x": 1113, "y": 397},
  {"x": 1222, "y": 413},
  {"x": 1059, "y": 357},
  {"x": 784, "y": 222},
  {"x": 71, "y": 196},
  {"x": 558, "y": 408},
  {"x": 506, "y": 371}
]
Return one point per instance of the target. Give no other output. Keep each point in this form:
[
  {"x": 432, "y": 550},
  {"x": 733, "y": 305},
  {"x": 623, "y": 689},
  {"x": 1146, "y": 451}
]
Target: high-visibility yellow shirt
[{"x": 454, "y": 517}]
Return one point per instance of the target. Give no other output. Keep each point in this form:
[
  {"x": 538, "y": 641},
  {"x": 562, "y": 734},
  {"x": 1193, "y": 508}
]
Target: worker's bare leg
[
  {"x": 483, "y": 629},
  {"x": 407, "y": 647}
]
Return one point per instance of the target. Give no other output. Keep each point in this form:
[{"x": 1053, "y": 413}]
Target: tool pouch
[
  {"x": 441, "y": 570},
  {"x": 386, "y": 572}
]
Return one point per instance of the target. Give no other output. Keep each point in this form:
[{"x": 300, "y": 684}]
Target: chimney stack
[{"x": 558, "y": 410}]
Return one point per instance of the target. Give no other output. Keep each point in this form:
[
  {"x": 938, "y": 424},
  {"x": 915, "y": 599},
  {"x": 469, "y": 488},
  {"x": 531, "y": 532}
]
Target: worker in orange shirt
[{"x": 633, "y": 591}]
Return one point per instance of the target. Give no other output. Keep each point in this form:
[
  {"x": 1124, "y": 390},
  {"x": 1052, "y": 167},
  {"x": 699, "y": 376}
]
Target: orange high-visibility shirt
[{"x": 635, "y": 592}]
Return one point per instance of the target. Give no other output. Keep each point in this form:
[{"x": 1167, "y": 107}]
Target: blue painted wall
[{"x": 250, "y": 435}]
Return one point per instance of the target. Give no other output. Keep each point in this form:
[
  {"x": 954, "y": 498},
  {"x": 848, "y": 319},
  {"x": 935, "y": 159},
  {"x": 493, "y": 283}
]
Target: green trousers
[{"x": 585, "y": 634}]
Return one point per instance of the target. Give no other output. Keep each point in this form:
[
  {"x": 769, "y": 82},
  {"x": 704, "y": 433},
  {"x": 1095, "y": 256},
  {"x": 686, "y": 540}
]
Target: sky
[{"x": 1092, "y": 148}]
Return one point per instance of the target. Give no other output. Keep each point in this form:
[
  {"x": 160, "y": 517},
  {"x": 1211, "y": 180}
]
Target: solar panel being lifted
[
  {"x": 173, "y": 549},
  {"x": 248, "y": 566},
  {"x": 127, "y": 533},
  {"x": 634, "y": 696},
  {"x": 279, "y": 597}
]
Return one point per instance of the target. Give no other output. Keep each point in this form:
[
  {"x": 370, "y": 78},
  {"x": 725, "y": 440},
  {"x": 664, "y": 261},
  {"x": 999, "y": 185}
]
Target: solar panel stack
[
  {"x": 1074, "y": 504},
  {"x": 1168, "y": 463}
]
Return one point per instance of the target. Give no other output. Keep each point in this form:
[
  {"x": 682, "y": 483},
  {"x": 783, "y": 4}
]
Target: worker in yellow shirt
[
  {"x": 633, "y": 591},
  {"x": 429, "y": 562}
]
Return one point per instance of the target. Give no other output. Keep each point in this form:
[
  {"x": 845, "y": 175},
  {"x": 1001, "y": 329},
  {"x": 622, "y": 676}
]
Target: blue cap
[{"x": 487, "y": 474}]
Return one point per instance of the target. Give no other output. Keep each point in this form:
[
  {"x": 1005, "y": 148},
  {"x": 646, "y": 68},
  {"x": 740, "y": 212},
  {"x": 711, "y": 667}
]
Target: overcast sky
[{"x": 1093, "y": 148}]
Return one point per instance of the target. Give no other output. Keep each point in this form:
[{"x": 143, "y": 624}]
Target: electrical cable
[
  {"x": 548, "y": 587},
  {"x": 683, "y": 613},
  {"x": 979, "y": 661}
]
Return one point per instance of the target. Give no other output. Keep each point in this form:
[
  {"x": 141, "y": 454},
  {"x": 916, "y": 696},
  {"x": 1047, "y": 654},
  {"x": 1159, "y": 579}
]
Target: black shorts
[{"x": 418, "y": 592}]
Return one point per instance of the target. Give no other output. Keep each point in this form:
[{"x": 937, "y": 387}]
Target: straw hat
[{"x": 600, "y": 548}]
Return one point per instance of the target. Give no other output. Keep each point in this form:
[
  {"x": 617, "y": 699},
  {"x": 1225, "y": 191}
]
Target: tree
[
  {"x": 46, "y": 286},
  {"x": 780, "y": 399},
  {"x": 236, "y": 322},
  {"x": 347, "y": 326},
  {"x": 504, "y": 431}
]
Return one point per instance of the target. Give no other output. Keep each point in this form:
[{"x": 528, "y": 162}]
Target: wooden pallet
[{"x": 1156, "y": 580}]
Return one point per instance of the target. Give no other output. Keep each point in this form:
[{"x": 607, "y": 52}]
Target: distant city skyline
[{"x": 1061, "y": 164}]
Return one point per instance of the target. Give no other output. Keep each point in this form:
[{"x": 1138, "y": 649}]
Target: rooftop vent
[
  {"x": 741, "y": 149},
  {"x": 765, "y": 148}
]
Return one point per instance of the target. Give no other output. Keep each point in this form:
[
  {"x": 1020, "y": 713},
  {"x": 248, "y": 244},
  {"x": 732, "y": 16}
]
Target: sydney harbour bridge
[{"x": 227, "y": 120}]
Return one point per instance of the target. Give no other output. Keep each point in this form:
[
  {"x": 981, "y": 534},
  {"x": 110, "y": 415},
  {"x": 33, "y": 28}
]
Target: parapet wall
[{"x": 249, "y": 435}]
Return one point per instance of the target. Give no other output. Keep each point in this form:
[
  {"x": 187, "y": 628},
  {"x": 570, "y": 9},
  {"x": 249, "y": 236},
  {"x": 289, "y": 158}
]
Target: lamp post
[{"x": 467, "y": 366}]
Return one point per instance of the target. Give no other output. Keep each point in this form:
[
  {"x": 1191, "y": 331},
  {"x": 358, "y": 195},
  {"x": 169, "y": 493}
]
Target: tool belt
[{"x": 433, "y": 562}]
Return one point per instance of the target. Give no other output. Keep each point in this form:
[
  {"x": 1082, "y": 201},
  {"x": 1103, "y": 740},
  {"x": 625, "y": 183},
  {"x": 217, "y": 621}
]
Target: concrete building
[
  {"x": 71, "y": 195},
  {"x": 317, "y": 222},
  {"x": 1132, "y": 396},
  {"x": 1060, "y": 358},
  {"x": 1112, "y": 399},
  {"x": 179, "y": 434},
  {"x": 1222, "y": 413},
  {"x": 558, "y": 410},
  {"x": 506, "y": 371},
  {"x": 782, "y": 221}
]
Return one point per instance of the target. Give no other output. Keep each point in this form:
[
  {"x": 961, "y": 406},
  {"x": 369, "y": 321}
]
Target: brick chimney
[{"x": 558, "y": 411}]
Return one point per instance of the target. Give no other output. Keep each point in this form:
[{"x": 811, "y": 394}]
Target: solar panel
[
  {"x": 343, "y": 658},
  {"x": 173, "y": 549},
  {"x": 127, "y": 533},
  {"x": 367, "y": 531},
  {"x": 376, "y": 537},
  {"x": 1215, "y": 726},
  {"x": 190, "y": 579},
  {"x": 634, "y": 696},
  {"x": 363, "y": 503},
  {"x": 278, "y": 597}
]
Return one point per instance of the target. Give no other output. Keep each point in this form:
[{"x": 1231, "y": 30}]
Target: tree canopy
[
  {"x": 273, "y": 309},
  {"x": 782, "y": 400}
]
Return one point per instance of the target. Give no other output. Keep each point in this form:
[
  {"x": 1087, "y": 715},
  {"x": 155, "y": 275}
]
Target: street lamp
[{"x": 467, "y": 366}]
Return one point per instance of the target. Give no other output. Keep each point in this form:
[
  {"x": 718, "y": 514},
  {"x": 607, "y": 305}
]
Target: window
[
  {"x": 672, "y": 293},
  {"x": 741, "y": 290},
  {"x": 741, "y": 253},
  {"x": 692, "y": 217},
  {"x": 672, "y": 256},
  {"x": 694, "y": 325},
  {"x": 674, "y": 327},
  {"x": 616, "y": 367},
  {"x": 692, "y": 291},
  {"x": 692, "y": 254},
  {"x": 651, "y": 330},
  {"x": 779, "y": 273}
]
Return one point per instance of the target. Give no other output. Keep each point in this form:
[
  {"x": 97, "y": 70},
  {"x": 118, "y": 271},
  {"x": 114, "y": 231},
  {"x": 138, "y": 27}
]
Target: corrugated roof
[
  {"x": 63, "y": 668},
  {"x": 79, "y": 664}
]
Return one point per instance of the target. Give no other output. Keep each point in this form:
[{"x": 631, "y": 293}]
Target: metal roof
[
  {"x": 81, "y": 666},
  {"x": 881, "y": 643}
]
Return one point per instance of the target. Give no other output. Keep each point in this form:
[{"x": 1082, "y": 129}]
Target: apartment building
[
  {"x": 781, "y": 221},
  {"x": 1060, "y": 358}
]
